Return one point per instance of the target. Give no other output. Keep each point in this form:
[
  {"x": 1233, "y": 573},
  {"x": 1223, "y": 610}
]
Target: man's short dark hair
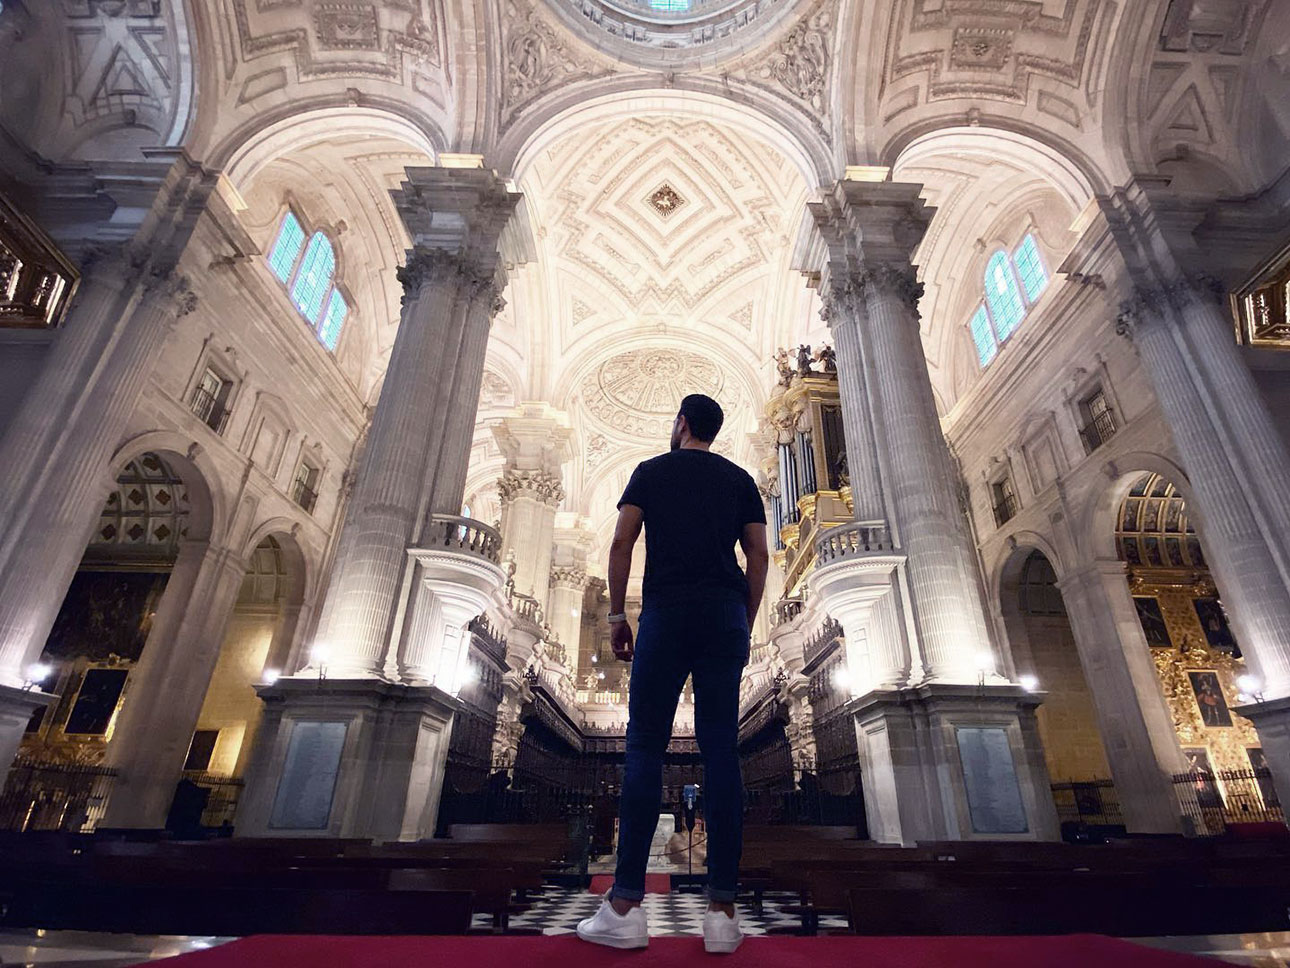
[{"x": 704, "y": 416}]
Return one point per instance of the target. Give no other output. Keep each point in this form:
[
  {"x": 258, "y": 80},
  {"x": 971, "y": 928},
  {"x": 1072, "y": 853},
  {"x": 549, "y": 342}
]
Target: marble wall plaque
[
  {"x": 308, "y": 783},
  {"x": 993, "y": 793}
]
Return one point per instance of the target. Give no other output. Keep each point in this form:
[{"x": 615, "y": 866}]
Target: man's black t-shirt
[{"x": 695, "y": 506}]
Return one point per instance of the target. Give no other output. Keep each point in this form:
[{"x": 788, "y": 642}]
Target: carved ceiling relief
[
  {"x": 538, "y": 57},
  {"x": 121, "y": 68},
  {"x": 1193, "y": 91},
  {"x": 1020, "y": 51},
  {"x": 399, "y": 40},
  {"x": 635, "y": 394}
]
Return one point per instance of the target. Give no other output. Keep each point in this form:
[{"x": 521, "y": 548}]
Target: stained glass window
[
  {"x": 313, "y": 277},
  {"x": 287, "y": 248},
  {"x": 983, "y": 336},
  {"x": 1003, "y": 296},
  {"x": 1030, "y": 268},
  {"x": 329, "y": 331}
]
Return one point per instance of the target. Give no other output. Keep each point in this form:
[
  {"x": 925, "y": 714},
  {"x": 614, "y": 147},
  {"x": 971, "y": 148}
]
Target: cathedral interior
[{"x": 330, "y": 334}]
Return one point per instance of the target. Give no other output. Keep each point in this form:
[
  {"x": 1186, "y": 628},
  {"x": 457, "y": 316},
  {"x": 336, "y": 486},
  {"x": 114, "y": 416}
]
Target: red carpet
[
  {"x": 654, "y": 883},
  {"x": 566, "y": 951}
]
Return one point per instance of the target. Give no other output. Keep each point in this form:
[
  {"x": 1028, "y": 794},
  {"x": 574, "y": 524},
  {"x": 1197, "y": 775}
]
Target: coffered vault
[{"x": 664, "y": 246}]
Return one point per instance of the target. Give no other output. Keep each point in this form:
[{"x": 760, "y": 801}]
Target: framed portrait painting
[
  {"x": 1153, "y": 622},
  {"x": 1213, "y": 620},
  {"x": 1209, "y": 697}
]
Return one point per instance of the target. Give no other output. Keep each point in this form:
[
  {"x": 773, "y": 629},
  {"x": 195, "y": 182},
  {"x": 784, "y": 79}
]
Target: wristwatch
[{"x": 617, "y": 617}]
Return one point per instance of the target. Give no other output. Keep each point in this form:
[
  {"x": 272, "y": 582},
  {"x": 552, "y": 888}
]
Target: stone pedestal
[
  {"x": 953, "y": 762},
  {"x": 347, "y": 758}
]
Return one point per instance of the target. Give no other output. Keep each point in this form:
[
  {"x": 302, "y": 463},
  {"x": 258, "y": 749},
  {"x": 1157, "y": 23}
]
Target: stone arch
[
  {"x": 1097, "y": 520},
  {"x": 569, "y": 110},
  {"x": 1032, "y": 612},
  {"x": 210, "y": 505}
]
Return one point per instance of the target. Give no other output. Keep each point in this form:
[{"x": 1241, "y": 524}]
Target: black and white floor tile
[{"x": 559, "y": 910}]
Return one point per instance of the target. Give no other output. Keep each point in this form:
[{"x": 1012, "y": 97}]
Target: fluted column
[
  {"x": 535, "y": 440},
  {"x": 412, "y": 459},
  {"x": 844, "y": 311}
]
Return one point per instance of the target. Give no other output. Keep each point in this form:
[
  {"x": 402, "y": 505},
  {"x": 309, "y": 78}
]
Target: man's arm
[
  {"x": 753, "y": 542},
  {"x": 626, "y": 531}
]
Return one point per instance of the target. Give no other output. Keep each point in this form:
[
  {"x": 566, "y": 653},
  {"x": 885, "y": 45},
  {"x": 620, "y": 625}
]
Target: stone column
[
  {"x": 449, "y": 285},
  {"x": 938, "y": 730},
  {"x": 1137, "y": 730},
  {"x": 409, "y": 572},
  {"x": 1236, "y": 462},
  {"x": 58, "y": 448},
  {"x": 569, "y": 582},
  {"x": 535, "y": 440},
  {"x": 165, "y": 692}
]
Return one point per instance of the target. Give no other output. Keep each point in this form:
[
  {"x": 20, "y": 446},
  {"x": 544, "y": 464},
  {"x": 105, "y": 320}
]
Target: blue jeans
[{"x": 710, "y": 642}]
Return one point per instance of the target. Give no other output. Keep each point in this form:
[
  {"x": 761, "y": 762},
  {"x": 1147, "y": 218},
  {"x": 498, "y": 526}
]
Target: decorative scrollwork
[{"x": 544, "y": 486}]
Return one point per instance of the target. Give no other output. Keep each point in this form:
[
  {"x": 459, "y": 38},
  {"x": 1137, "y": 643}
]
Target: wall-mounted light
[
  {"x": 37, "y": 673},
  {"x": 1029, "y": 683},
  {"x": 271, "y": 676}
]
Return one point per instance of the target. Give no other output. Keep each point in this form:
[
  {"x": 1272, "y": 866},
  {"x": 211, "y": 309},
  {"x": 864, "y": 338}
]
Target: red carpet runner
[
  {"x": 654, "y": 883},
  {"x": 566, "y": 951}
]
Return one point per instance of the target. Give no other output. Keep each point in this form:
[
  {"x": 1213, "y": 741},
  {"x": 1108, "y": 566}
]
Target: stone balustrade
[
  {"x": 852, "y": 540},
  {"x": 466, "y": 535}
]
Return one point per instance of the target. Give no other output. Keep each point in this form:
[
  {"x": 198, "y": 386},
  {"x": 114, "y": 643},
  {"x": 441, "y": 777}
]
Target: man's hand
[{"x": 620, "y": 639}]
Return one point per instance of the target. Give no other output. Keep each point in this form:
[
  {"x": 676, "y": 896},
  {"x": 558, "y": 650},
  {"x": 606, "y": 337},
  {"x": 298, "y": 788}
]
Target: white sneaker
[
  {"x": 608, "y": 927},
  {"x": 721, "y": 933}
]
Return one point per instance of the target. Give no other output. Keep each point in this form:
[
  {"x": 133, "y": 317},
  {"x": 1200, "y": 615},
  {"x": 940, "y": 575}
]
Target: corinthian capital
[
  {"x": 893, "y": 280},
  {"x": 427, "y": 265},
  {"x": 571, "y": 577},
  {"x": 167, "y": 284},
  {"x": 544, "y": 486},
  {"x": 1157, "y": 304}
]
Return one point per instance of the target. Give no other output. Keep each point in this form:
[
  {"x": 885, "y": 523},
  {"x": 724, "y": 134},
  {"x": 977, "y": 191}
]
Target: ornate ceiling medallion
[
  {"x": 665, "y": 200},
  {"x": 636, "y": 393}
]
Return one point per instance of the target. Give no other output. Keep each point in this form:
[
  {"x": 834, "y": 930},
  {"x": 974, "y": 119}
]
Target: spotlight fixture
[
  {"x": 319, "y": 655},
  {"x": 37, "y": 673},
  {"x": 271, "y": 676},
  {"x": 1251, "y": 686},
  {"x": 1029, "y": 683}
]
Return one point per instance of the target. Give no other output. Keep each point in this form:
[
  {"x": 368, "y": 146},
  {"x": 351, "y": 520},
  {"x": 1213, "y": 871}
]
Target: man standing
[{"x": 698, "y": 607}]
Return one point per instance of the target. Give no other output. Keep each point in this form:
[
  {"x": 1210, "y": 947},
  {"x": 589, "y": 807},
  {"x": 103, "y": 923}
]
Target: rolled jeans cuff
[
  {"x": 721, "y": 897},
  {"x": 626, "y": 894}
]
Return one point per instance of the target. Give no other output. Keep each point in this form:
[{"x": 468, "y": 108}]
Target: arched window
[
  {"x": 1038, "y": 587},
  {"x": 1007, "y": 300},
  {"x": 1003, "y": 295},
  {"x": 309, "y": 273}
]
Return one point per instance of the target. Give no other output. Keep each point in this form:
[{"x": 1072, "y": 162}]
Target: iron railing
[
  {"x": 1090, "y": 802},
  {"x": 1005, "y": 509},
  {"x": 48, "y": 795},
  {"x": 1098, "y": 430},
  {"x": 209, "y": 409},
  {"x": 224, "y": 792},
  {"x": 304, "y": 495},
  {"x": 1211, "y": 802}
]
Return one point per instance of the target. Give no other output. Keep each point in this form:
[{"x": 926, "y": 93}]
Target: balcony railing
[
  {"x": 852, "y": 540},
  {"x": 787, "y": 609},
  {"x": 304, "y": 495},
  {"x": 48, "y": 795},
  {"x": 1099, "y": 429},
  {"x": 1005, "y": 510},
  {"x": 209, "y": 409},
  {"x": 223, "y": 794},
  {"x": 527, "y": 608},
  {"x": 467, "y": 535}
]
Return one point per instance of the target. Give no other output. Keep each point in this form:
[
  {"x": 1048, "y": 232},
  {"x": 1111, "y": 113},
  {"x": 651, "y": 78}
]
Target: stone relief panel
[
  {"x": 1020, "y": 51},
  {"x": 398, "y": 40},
  {"x": 538, "y": 57}
]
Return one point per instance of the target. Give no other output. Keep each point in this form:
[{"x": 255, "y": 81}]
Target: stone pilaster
[
  {"x": 1137, "y": 730},
  {"x": 535, "y": 439}
]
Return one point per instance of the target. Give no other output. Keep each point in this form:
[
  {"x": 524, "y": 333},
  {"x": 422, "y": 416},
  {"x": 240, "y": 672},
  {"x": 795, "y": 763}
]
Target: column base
[
  {"x": 16, "y": 709},
  {"x": 1271, "y": 718},
  {"x": 953, "y": 762},
  {"x": 347, "y": 758}
]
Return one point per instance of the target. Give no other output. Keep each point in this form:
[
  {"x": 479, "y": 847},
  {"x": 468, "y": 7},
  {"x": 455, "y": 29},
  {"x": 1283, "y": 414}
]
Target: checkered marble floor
[{"x": 559, "y": 910}]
